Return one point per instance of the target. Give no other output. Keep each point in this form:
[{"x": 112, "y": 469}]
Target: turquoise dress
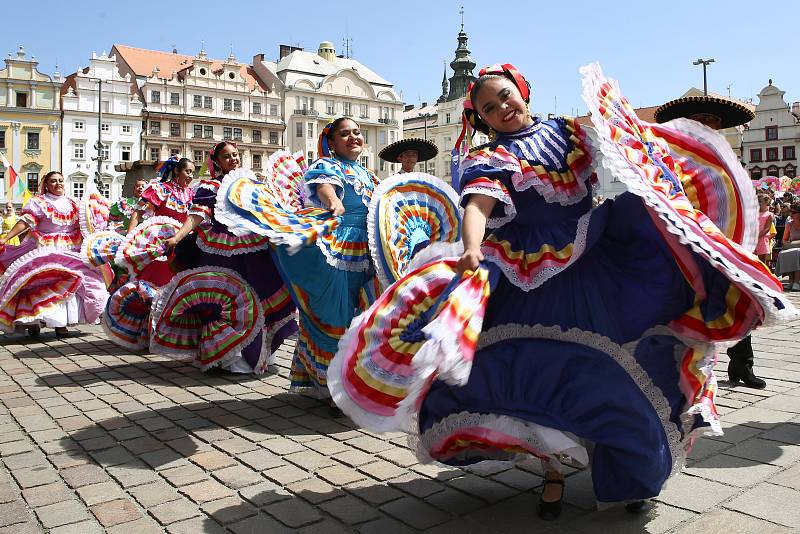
[{"x": 332, "y": 280}]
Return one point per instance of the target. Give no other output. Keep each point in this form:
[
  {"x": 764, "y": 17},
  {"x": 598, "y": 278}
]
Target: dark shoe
[
  {"x": 551, "y": 510},
  {"x": 34, "y": 330},
  {"x": 636, "y": 507},
  {"x": 61, "y": 332},
  {"x": 748, "y": 378}
]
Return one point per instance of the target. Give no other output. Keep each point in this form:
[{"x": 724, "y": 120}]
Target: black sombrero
[
  {"x": 426, "y": 149},
  {"x": 731, "y": 113}
]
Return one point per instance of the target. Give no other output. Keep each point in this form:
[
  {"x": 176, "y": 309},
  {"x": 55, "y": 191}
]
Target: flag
[{"x": 14, "y": 186}]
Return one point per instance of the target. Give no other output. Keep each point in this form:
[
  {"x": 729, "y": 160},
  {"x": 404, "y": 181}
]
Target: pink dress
[
  {"x": 763, "y": 243},
  {"x": 45, "y": 279}
]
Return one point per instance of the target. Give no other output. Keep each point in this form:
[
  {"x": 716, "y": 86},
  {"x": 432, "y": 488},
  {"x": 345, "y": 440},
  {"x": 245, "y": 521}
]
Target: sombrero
[
  {"x": 426, "y": 149},
  {"x": 731, "y": 113}
]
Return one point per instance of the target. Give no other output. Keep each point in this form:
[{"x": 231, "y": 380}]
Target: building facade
[
  {"x": 440, "y": 122},
  {"x": 319, "y": 87},
  {"x": 192, "y": 102},
  {"x": 772, "y": 139},
  {"x": 30, "y": 119},
  {"x": 99, "y": 87}
]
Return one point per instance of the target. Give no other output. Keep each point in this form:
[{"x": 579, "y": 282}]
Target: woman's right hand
[
  {"x": 469, "y": 261},
  {"x": 337, "y": 207},
  {"x": 170, "y": 243}
]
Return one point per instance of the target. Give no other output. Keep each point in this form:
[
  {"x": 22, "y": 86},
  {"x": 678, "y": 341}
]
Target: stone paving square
[{"x": 97, "y": 439}]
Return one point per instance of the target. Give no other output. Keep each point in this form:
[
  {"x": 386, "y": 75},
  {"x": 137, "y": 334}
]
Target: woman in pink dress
[
  {"x": 765, "y": 218},
  {"x": 45, "y": 280}
]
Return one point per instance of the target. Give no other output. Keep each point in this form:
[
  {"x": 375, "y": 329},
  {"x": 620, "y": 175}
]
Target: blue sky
[{"x": 648, "y": 50}]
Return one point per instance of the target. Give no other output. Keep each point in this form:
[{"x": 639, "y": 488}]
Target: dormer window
[
  {"x": 202, "y": 72},
  {"x": 231, "y": 75}
]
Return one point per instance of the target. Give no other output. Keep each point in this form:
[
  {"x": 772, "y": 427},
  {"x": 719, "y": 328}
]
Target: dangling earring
[{"x": 492, "y": 135}]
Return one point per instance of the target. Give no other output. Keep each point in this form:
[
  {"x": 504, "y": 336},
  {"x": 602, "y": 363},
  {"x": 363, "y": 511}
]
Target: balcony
[
  {"x": 386, "y": 120},
  {"x": 306, "y": 112}
]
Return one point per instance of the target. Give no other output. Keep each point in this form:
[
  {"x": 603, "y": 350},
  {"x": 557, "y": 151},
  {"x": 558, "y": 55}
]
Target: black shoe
[
  {"x": 551, "y": 510},
  {"x": 61, "y": 332},
  {"x": 636, "y": 507},
  {"x": 748, "y": 378},
  {"x": 34, "y": 330}
]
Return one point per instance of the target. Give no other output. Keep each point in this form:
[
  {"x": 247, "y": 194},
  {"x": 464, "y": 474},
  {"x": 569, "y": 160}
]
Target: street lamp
[
  {"x": 99, "y": 146},
  {"x": 705, "y": 63}
]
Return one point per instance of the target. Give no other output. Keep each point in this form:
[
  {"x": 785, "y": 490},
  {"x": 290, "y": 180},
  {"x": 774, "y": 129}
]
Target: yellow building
[{"x": 30, "y": 118}]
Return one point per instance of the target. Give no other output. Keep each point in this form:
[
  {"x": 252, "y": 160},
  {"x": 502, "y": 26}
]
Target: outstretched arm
[
  {"x": 327, "y": 194},
  {"x": 477, "y": 212},
  {"x": 14, "y": 232}
]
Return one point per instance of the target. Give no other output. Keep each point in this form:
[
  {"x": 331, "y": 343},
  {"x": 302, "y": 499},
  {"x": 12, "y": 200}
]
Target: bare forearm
[
  {"x": 134, "y": 222},
  {"x": 191, "y": 222},
  {"x": 327, "y": 194},
  {"x": 17, "y": 229},
  {"x": 476, "y": 214}
]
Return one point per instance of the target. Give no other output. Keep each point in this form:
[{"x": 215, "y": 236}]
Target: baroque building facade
[
  {"x": 30, "y": 119},
  {"x": 319, "y": 87},
  {"x": 772, "y": 139},
  {"x": 192, "y": 102},
  {"x": 99, "y": 88}
]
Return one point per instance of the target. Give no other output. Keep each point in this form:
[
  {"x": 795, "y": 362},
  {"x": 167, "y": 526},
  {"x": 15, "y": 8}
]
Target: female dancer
[
  {"x": 47, "y": 281},
  {"x": 248, "y": 256},
  {"x": 599, "y": 323}
]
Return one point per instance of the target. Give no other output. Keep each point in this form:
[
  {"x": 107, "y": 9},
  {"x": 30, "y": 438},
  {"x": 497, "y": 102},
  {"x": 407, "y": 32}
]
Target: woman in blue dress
[{"x": 597, "y": 341}]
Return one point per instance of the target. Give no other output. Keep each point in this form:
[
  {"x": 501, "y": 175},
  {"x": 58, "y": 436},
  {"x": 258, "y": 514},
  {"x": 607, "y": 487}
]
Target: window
[
  {"x": 365, "y": 161},
  {"x": 788, "y": 152},
  {"x": 106, "y": 106},
  {"x": 197, "y": 101},
  {"x": 78, "y": 151},
  {"x": 365, "y": 134},
  {"x": 772, "y": 154},
  {"x": 175, "y": 129},
  {"x": 237, "y": 105},
  {"x": 298, "y": 132},
  {"x": 208, "y": 102},
  {"x": 256, "y": 136},
  {"x": 155, "y": 97},
  {"x": 310, "y": 130},
  {"x": 125, "y": 152},
  {"x": 155, "y": 127},
  {"x": 382, "y": 164},
  {"x": 33, "y": 141},
  {"x": 126, "y": 128},
  {"x": 237, "y": 134},
  {"x": 364, "y": 111},
  {"x": 330, "y": 108},
  {"x": 175, "y": 99},
  {"x": 105, "y": 127},
  {"x": 78, "y": 126},
  {"x": 227, "y": 104},
  {"x": 227, "y": 132},
  {"x": 755, "y": 154},
  {"x": 256, "y": 108},
  {"x": 382, "y": 137},
  {"x": 174, "y": 151},
  {"x": 208, "y": 132},
  {"x": 197, "y": 131},
  {"x": 106, "y": 152},
  {"x": 392, "y": 135},
  {"x": 22, "y": 100},
  {"x": 310, "y": 155},
  {"x": 346, "y": 109},
  {"x": 771, "y": 133},
  {"x": 2, "y": 139},
  {"x": 199, "y": 156},
  {"x": 2, "y": 177},
  {"x": 77, "y": 189},
  {"x": 105, "y": 189},
  {"x": 33, "y": 182},
  {"x": 273, "y": 138},
  {"x": 155, "y": 154},
  {"x": 256, "y": 161},
  {"x": 273, "y": 109}
]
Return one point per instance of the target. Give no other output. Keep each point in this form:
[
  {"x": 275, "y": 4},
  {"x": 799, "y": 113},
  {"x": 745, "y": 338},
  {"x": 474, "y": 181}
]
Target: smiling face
[
  {"x": 500, "y": 105},
  {"x": 228, "y": 159},
  {"x": 9, "y": 208},
  {"x": 138, "y": 188},
  {"x": 347, "y": 141},
  {"x": 185, "y": 175},
  {"x": 55, "y": 184}
]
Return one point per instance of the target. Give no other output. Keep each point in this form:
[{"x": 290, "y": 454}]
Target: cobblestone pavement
[{"x": 93, "y": 439}]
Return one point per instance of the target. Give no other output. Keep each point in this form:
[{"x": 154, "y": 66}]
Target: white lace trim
[
  {"x": 373, "y": 232},
  {"x": 509, "y": 210},
  {"x": 83, "y": 208},
  {"x": 242, "y": 249},
  {"x": 267, "y": 357},
  {"x": 620, "y": 168},
  {"x": 86, "y": 256},
  {"x": 160, "y": 301},
  {"x": 624, "y": 359},
  {"x": 544, "y": 273},
  {"x": 541, "y": 440},
  {"x": 338, "y": 263}
]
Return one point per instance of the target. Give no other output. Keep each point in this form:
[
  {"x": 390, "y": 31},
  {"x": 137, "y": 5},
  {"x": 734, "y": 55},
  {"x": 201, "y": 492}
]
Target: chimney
[
  {"x": 327, "y": 51},
  {"x": 408, "y": 107},
  {"x": 285, "y": 50},
  {"x": 258, "y": 58},
  {"x": 796, "y": 109}
]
